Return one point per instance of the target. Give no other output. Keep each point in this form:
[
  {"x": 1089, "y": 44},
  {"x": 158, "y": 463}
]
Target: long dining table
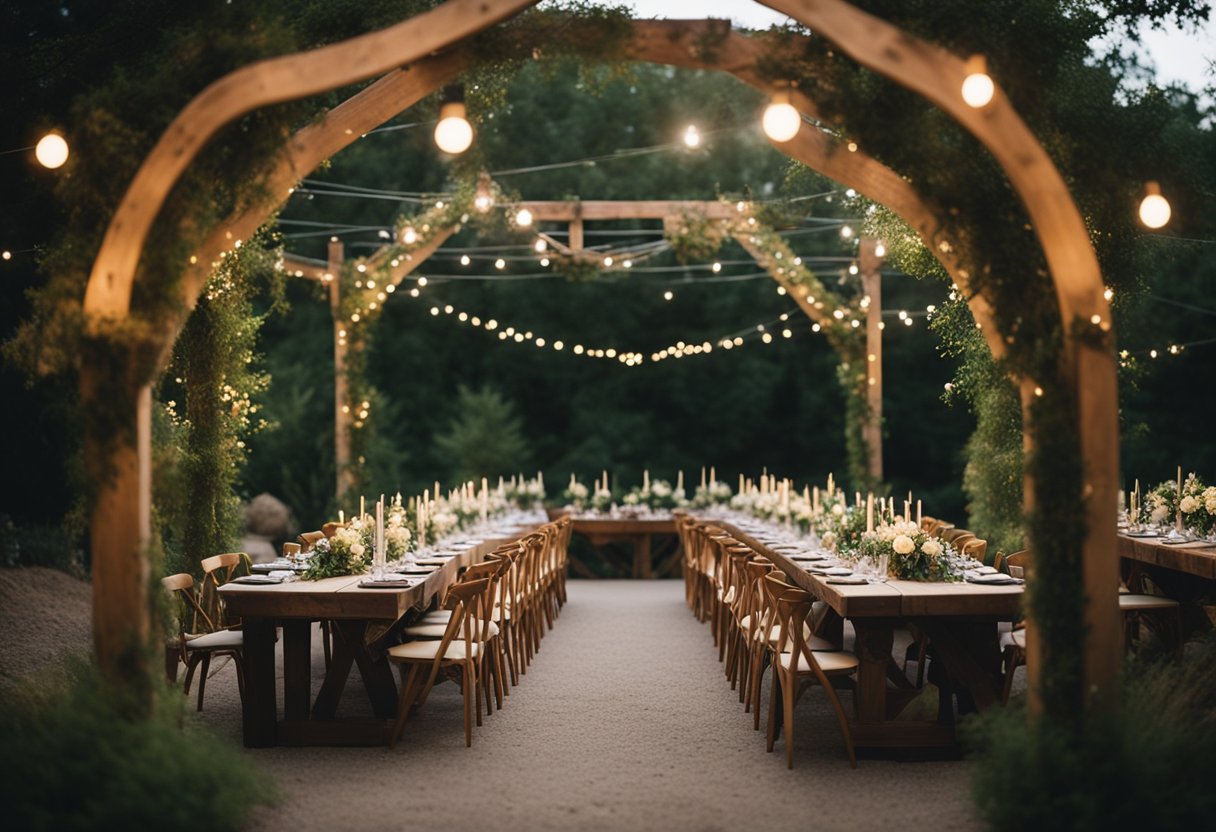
[
  {"x": 362, "y": 620},
  {"x": 960, "y": 620},
  {"x": 1185, "y": 572}
]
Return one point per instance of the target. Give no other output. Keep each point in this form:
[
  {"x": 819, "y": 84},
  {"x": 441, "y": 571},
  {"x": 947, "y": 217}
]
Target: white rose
[
  {"x": 357, "y": 550},
  {"x": 903, "y": 545},
  {"x": 1188, "y": 504},
  {"x": 1209, "y": 499},
  {"x": 837, "y": 509},
  {"x": 1160, "y": 514},
  {"x": 931, "y": 548}
]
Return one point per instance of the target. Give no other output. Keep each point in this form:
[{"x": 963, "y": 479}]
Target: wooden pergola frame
[
  {"x": 574, "y": 213},
  {"x": 408, "y": 57}
]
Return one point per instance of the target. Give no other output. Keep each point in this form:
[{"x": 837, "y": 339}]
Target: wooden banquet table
[
  {"x": 1185, "y": 572},
  {"x": 960, "y": 620},
  {"x": 361, "y": 619},
  {"x": 639, "y": 532}
]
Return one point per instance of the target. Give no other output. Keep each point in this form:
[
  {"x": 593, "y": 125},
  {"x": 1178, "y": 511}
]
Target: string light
[
  {"x": 465, "y": 260},
  {"x": 453, "y": 133},
  {"x": 846, "y": 231},
  {"x": 692, "y": 136},
  {"x": 51, "y": 151},
  {"x": 668, "y": 295},
  {"x": 781, "y": 121},
  {"x": 978, "y": 88},
  {"x": 1154, "y": 208},
  {"x": 523, "y": 218},
  {"x": 409, "y": 236}
]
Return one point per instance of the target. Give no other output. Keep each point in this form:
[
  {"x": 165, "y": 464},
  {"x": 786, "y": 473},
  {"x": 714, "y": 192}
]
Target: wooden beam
[
  {"x": 647, "y": 209},
  {"x": 272, "y": 81},
  {"x": 299, "y": 267}
]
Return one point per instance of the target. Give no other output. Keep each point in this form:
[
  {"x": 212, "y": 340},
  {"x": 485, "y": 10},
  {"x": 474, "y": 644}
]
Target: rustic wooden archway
[{"x": 123, "y": 500}]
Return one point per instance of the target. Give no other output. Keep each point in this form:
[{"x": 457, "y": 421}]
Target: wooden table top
[
  {"x": 1193, "y": 558},
  {"x": 343, "y": 598},
  {"x": 895, "y": 598}
]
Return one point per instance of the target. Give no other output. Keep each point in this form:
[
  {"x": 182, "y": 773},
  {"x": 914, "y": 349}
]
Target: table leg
[
  {"x": 260, "y": 710},
  {"x": 642, "y": 566},
  {"x": 970, "y": 654},
  {"x": 297, "y": 668},
  {"x": 335, "y": 676},
  {"x": 376, "y": 673},
  {"x": 875, "y": 637}
]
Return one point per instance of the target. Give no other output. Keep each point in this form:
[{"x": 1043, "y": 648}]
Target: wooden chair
[
  {"x": 796, "y": 667},
  {"x": 459, "y": 650},
  {"x": 217, "y": 571},
  {"x": 490, "y": 670},
  {"x": 199, "y": 640},
  {"x": 308, "y": 539}
]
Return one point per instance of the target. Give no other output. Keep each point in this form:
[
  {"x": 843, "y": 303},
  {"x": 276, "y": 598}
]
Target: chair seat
[
  {"x": 219, "y": 640},
  {"x": 436, "y": 617},
  {"x": 1016, "y": 638},
  {"x": 835, "y": 662},
  {"x": 1135, "y": 603},
  {"x": 437, "y": 629},
  {"x": 427, "y": 650}
]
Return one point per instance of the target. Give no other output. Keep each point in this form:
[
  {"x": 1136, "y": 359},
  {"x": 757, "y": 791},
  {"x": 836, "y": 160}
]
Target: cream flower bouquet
[{"x": 912, "y": 555}]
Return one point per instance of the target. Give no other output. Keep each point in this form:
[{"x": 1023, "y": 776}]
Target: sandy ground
[{"x": 624, "y": 721}]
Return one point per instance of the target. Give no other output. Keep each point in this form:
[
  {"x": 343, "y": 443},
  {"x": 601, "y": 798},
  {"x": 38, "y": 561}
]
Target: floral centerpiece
[
  {"x": 1196, "y": 503},
  {"x": 658, "y": 495},
  {"x": 841, "y": 527},
  {"x": 602, "y": 499},
  {"x": 576, "y": 494},
  {"x": 714, "y": 494},
  {"x": 525, "y": 493},
  {"x": 348, "y": 552},
  {"x": 398, "y": 540},
  {"x": 911, "y": 554}
]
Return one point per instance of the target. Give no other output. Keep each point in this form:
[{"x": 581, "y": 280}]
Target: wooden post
[
  {"x": 871, "y": 287},
  {"x": 120, "y": 527},
  {"x": 343, "y": 470},
  {"x": 575, "y": 240}
]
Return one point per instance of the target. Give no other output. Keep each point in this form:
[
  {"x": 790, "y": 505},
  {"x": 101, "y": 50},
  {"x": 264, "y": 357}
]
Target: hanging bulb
[
  {"x": 523, "y": 218},
  {"x": 978, "y": 87},
  {"x": 409, "y": 236},
  {"x": 453, "y": 133},
  {"x": 51, "y": 151},
  {"x": 484, "y": 200},
  {"x": 781, "y": 121},
  {"x": 1154, "y": 208},
  {"x": 692, "y": 136}
]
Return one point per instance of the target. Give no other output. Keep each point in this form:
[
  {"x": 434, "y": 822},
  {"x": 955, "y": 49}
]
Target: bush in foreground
[
  {"x": 1149, "y": 764},
  {"x": 72, "y": 758}
]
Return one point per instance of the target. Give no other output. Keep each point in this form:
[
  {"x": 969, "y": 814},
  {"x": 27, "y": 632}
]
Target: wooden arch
[{"x": 121, "y": 618}]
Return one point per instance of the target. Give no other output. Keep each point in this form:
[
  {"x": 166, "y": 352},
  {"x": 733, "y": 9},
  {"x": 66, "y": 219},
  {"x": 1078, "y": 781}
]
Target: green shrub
[
  {"x": 1149, "y": 764},
  {"x": 72, "y": 758},
  {"x": 56, "y": 546}
]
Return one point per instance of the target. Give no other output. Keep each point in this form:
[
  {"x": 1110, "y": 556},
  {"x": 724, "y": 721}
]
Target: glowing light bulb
[
  {"x": 453, "y": 133},
  {"x": 692, "y": 136},
  {"x": 880, "y": 250},
  {"x": 500, "y": 263},
  {"x": 846, "y": 231},
  {"x": 668, "y": 295},
  {"x": 781, "y": 121},
  {"x": 409, "y": 236},
  {"x": 51, "y": 151},
  {"x": 523, "y": 218},
  {"x": 464, "y": 260},
  {"x": 978, "y": 87},
  {"x": 540, "y": 245},
  {"x": 1154, "y": 208}
]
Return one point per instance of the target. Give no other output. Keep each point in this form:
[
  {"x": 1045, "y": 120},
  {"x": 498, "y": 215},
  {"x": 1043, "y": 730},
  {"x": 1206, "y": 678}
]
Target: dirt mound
[{"x": 44, "y": 615}]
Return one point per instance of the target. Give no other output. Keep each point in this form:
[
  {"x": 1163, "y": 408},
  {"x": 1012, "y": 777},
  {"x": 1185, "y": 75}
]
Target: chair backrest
[
  {"x": 181, "y": 587},
  {"x": 469, "y": 615},
  {"x": 217, "y": 571},
  {"x": 1017, "y": 563},
  {"x": 291, "y": 550},
  {"x": 331, "y": 528},
  {"x": 975, "y": 548},
  {"x": 309, "y": 539},
  {"x": 794, "y": 608}
]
